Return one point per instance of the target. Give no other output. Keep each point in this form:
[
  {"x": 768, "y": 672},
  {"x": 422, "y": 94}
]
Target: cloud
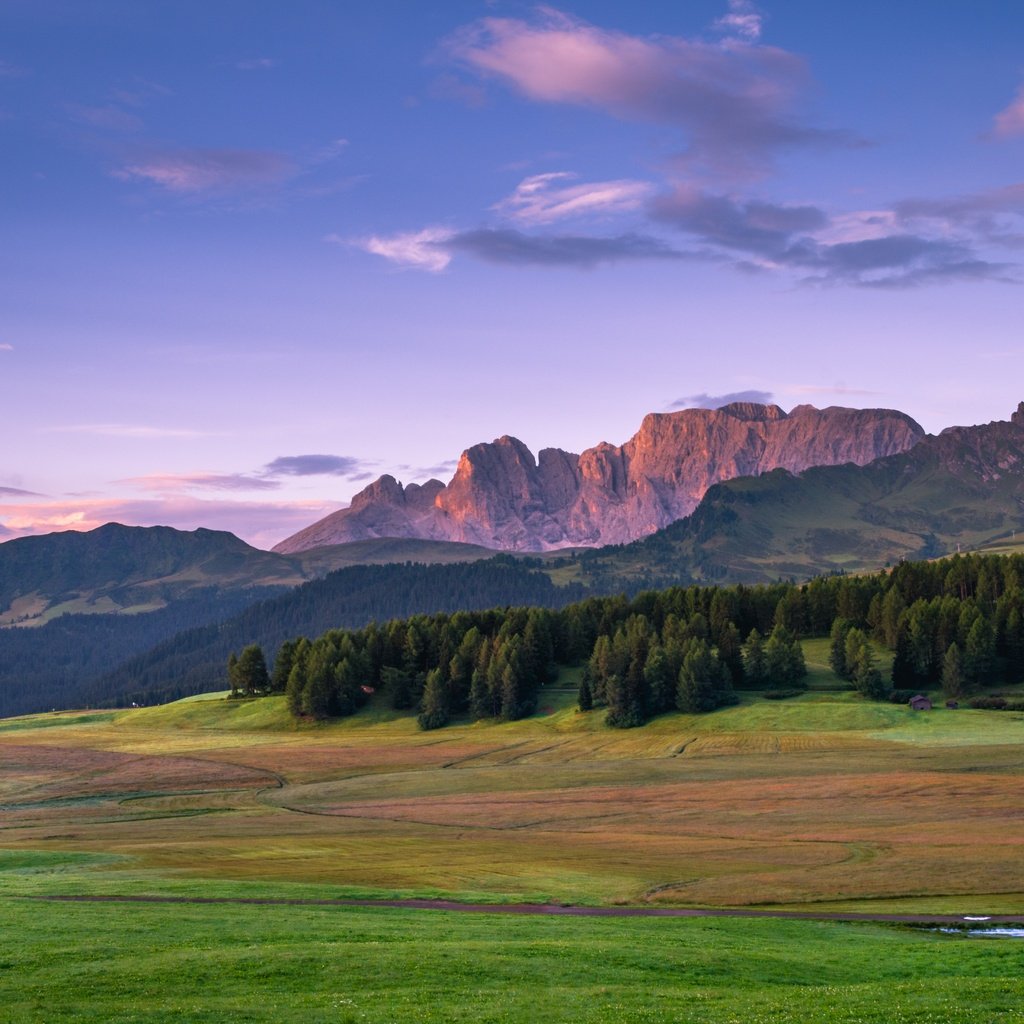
[
  {"x": 127, "y": 430},
  {"x": 265, "y": 479},
  {"x": 196, "y": 171},
  {"x": 706, "y": 401},
  {"x": 584, "y": 251},
  {"x": 316, "y": 465},
  {"x": 743, "y": 20},
  {"x": 873, "y": 249},
  {"x": 17, "y": 492},
  {"x": 1009, "y": 123},
  {"x": 419, "y": 250},
  {"x": 440, "y": 469},
  {"x": 545, "y": 198},
  {"x": 450, "y": 87},
  {"x": 832, "y": 389},
  {"x": 108, "y": 118},
  {"x": 174, "y": 482},
  {"x": 734, "y": 101},
  {"x": 261, "y": 523},
  {"x": 995, "y": 214},
  {"x": 8, "y": 70},
  {"x": 752, "y": 226},
  {"x": 4, "y": 347},
  {"x": 257, "y": 64}
]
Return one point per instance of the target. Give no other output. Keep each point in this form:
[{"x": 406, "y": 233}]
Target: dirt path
[{"x": 553, "y": 909}]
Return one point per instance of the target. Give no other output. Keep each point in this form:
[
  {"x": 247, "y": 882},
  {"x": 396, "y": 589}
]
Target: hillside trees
[{"x": 677, "y": 649}]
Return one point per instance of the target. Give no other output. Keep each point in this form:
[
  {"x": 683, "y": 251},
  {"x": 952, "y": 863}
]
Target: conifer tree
[
  {"x": 434, "y": 711},
  {"x": 952, "y": 673}
]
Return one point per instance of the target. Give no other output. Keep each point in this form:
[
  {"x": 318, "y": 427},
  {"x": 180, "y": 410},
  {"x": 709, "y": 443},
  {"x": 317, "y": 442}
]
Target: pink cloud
[
  {"x": 1010, "y": 122},
  {"x": 417, "y": 250},
  {"x": 262, "y": 524},
  {"x": 187, "y": 171},
  {"x": 733, "y": 100},
  {"x": 545, "y": 198},
  {"x": 743, "y": 20}
]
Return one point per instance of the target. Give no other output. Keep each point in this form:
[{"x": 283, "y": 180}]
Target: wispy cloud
[
  {"x": 875, "y": 249},
  {"x": 107, "y": 118},
  {"x": 831, "y": 389},
  {"x": 8, "y": 70},
  {"x": 197, "y": 171},
  {"x": 706, "y": 401},
  {"x": 128, "y": 430},
  {"x": 582, "y": 251},
  {"x": 440, "y": 469},
  {"x": 734, "y": 101},
  {"x": 450, "y": 87},
  {"x": 316, "y": 465},
  {"x": 257, "y": 64},
  {"x": 17, "y": 492},
  {"x": 419, "y": 250},
  {"x": 5, "y": 347},
  {"x": 545, "y": 198},
  {"x": 743, "y": 20},
  {"x": 163, "y": 483},
  {"x": 1009, "y": 123},
  {"x": 266, "y": 479}
]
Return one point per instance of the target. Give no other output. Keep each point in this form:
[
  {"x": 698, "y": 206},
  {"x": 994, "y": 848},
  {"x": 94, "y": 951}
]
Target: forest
[{"x": 954, "y": 624}]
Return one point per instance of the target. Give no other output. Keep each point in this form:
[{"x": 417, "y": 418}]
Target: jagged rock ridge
[{"x": 501, "y": 497}]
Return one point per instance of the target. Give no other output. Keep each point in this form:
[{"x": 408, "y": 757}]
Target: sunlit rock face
[{"x": 502, "y": 497}]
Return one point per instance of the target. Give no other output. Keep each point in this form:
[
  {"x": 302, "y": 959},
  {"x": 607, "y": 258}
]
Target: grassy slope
[{"x": 824, "y": 800}]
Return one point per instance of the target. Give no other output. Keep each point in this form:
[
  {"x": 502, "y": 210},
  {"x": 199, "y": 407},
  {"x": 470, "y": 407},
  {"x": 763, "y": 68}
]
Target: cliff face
[{"x": 501, "y": 497}]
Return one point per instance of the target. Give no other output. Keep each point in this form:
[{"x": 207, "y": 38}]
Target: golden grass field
[{"x": 825, "y": 799}]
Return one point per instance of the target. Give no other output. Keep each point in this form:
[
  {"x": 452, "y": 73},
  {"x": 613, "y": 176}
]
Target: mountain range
[
  {"x": 121, "y": 596},
  {"x": 501, "y": 497}
]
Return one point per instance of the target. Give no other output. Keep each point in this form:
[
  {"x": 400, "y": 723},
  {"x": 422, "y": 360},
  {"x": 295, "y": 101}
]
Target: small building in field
[{"x": 920, "y": 703}]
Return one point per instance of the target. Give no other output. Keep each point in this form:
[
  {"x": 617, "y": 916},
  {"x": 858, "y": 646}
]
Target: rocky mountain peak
[{"x": 502, "y": 497}]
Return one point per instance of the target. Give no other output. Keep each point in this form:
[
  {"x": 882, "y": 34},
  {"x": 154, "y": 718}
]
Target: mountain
[
  {"x": 960, "y": 489},
  {"x": 501, "y": 497},
  {"x": 73, "y": 605}
]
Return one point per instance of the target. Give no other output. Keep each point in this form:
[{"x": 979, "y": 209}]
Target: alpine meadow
[{"x": 511, "y": 513}]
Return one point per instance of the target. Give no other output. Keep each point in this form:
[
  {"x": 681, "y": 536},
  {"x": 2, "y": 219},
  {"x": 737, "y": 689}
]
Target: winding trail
[{"x": 543, "y": 909}]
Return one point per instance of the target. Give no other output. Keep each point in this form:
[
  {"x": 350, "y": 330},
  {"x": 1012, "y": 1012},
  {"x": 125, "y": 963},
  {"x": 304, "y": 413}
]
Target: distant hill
[
  {"x": 74, "y": 605},
  {"x": 194, "y": 661},
  {"x": 501, "y": 497},
  {"x": 128, "y": 569}
]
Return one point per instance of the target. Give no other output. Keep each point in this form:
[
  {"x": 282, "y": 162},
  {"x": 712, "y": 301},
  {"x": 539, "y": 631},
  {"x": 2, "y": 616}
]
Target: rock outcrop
[{"x": 501, "y": 497}]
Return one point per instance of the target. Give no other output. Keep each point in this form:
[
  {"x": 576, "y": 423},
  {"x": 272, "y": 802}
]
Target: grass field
[
  {"x": 221, "y": 964},
  {"x": 823, "y": 801}
]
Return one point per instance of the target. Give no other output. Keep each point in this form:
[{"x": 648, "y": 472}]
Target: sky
[{"x": 257, "y": 254}]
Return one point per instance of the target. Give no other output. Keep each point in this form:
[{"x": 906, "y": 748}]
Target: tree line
[{"x": 954, "y": 623}]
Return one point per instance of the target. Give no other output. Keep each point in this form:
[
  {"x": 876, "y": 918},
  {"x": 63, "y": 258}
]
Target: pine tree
[
  {"x": 755, "y": 670},
  {"x": 251, "y": 671},
  {"x": 953, "y": 673},
  {"x": 585, "y": 698},
  {"x": 233, "y": 673},
  {"x": 481, "y": 703},
  {"x": 434, "y": 711}
]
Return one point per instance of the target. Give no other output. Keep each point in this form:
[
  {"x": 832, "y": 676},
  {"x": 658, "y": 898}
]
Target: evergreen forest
[{"x": 955, "y": 624}]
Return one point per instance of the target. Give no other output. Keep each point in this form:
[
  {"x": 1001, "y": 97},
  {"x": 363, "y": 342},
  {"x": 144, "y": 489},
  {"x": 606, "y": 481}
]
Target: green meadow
[
  {"x": 218, "y": 964},
  {"x": 820, "y": 802}
]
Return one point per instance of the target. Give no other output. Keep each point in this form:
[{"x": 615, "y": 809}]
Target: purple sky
[{"x": 257, "y": 254}]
